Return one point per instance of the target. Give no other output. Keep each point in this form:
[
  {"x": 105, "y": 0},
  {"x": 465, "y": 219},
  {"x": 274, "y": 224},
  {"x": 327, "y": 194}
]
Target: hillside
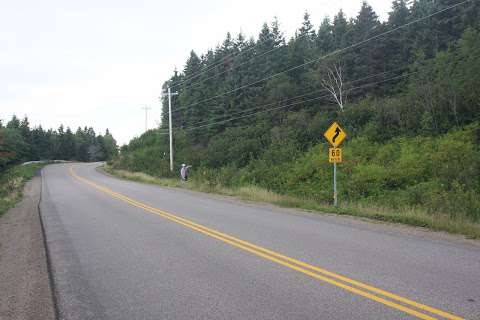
[{"x": 253, "y": 112}]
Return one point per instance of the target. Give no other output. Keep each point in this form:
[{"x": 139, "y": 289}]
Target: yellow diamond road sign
[{"x": 335, "y": 135}]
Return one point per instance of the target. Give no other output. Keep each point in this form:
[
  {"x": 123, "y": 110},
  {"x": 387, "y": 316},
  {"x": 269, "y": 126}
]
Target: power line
[
  {"x": 333, "y": 53},
  {"x": 295, "y": 103},
  {"x": 308, "y": 100},
  {"x": 251, "y": 114},
  {"x": 213, "y": 66},
  {"x": 307, "y": 94},
  {"x": 233, "y": 56},
  {"x": 237, "y": 66},
  {"x": 234, "y": 67}
]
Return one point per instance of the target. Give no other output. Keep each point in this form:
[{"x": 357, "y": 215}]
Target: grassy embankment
[
  {"x": 11, "y": 184},
  {"x": 408, "y": 216}
]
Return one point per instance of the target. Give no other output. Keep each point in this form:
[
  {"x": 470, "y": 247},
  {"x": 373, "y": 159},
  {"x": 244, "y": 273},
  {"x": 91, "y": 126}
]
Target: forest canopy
[
  {"x": 418, "y": 75},
  {"x": 19, "y": 142}
]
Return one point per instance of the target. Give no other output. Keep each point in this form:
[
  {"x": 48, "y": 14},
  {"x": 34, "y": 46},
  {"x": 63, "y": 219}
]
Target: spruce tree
[
  {"x": 368, "y": 58},
  {"x": 339, "y": 30},
  {"x": 325, "y": 41}
]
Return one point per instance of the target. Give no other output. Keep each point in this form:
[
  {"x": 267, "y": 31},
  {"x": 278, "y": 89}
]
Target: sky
[{"x": 98, "y": 62}]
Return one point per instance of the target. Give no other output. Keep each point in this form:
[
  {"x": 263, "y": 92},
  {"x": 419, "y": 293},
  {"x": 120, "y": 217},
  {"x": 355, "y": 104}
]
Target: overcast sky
[{"x": 97, "y": 62}]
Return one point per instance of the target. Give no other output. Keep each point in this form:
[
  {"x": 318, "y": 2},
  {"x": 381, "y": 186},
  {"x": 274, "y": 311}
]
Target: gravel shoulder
[{"x": 26, "y": 292}]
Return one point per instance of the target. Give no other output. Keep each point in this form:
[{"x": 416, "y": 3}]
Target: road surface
[{"x": 124, "y": 250}]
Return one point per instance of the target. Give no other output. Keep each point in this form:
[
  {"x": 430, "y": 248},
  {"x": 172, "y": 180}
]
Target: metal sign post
[
  {"x": 335, "y": 135},
  {"x": 335, "y": 199}
]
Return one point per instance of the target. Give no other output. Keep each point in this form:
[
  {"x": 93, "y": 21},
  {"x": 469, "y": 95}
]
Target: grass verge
[
  {"x": 408, "y": 216},
  {"x": 11, "y": 184}
]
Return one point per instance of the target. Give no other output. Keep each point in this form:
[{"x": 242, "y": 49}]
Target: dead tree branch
[{"x": 334, "y": 84}]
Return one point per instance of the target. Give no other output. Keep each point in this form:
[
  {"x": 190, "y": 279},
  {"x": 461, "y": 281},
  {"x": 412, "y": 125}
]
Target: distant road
[{"x": 124, "y": 250}]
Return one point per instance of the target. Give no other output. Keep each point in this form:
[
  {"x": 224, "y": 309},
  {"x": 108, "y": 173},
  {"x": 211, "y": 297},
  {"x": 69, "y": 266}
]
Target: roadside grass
[
  {"x": 11, "y": 184},
  {"x": 408, "y": 216}
]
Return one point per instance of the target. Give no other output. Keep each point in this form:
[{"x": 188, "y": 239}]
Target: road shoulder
[
  {"x": 26, "y": 292},
  {"x": 367, "y": 223}
]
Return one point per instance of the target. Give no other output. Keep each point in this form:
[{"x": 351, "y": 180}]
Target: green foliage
[
  {"x": 438, "y": 174},
  {"x": 412, "y": 113},
  {"x": 12, "y": 182},
  {"x": 19, "y": 142}
]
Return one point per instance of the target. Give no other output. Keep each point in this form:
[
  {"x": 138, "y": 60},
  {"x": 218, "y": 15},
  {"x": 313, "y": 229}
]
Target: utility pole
[
  {"x": 146, "y": 117},
  {"x": 170, "y": 128}
]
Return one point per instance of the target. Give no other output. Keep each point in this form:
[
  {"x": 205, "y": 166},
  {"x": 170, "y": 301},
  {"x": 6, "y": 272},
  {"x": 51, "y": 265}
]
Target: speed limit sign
[{"x": 335, "y": 155}]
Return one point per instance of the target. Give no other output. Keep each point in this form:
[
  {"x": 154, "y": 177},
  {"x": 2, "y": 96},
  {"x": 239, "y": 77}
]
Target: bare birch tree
[{"x": 333, "y": 82}]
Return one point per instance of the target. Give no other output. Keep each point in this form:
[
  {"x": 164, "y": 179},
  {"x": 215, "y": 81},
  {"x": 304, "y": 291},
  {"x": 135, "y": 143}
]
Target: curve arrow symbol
[{"x": 337, "y": 132}]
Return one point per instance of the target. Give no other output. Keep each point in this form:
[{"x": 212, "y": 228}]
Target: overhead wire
[
  {"x": 309, "y": 93},
  {"x": 215, "y": 64},
  {"x": 211, "y": 67},
  {"x": 294, "y": 103},
  {"x": 406, "y": 75},
  {"x": 297, "y": 103},
  {"x": 194, "y": 84},
  {"x": 299, "y": 96}
]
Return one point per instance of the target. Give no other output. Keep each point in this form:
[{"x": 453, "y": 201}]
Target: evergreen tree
[
  {"x": 265, "y": 39},
  {"x": 423, "y": 35},
  {"x": 267, "y": 42},
  {"x": 399, "y": 15},
  {"x": 191, "y": 91},
  {"x": 306, "y": 30},
  {"x": 302, "y": 49},
  {"x": 339, "y": 30},
  {"x": 368, "y": 58},
  {"x": 398, "y": 45},
  {"x": 39, "y": 144},
  {"x": 278, "y": 37},
  {"x": 111, "y": 148},
  {"x": 68, "y": 145},
  {"x": 25, "y": 128},
  {"x": 26, "y": 135},
  {"x": 81, "y": 152},
  {"x": 14, "y": 123},
  {"x": 325, "y": 41}
]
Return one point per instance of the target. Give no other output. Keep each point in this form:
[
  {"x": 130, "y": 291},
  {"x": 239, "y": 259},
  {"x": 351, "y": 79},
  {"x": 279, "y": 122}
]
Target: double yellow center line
[{"x": 367, "y": 291}]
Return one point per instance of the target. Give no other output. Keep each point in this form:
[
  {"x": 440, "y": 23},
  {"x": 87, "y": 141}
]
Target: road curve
[{"x": 123, "y": 250}]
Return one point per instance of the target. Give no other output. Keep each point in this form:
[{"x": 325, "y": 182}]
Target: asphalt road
[{"x": 124, "y": 250}]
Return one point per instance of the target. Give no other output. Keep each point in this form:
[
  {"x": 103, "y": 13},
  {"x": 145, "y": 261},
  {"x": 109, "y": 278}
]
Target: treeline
[
  {"x": 253, "y": 111},
  {"x": 272, "y": 71},
  {"x": 19, "y": 142},
  {"x": 421, "y": 79}
]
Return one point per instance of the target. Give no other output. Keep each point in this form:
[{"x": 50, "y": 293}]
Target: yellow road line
[{"x": 289, "y": 262}]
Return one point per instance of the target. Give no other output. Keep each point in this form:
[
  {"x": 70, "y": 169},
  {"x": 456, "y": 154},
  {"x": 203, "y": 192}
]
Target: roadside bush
[
  {"x": 440, "y": 175},
  {"x": 11, "y": 184}
]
